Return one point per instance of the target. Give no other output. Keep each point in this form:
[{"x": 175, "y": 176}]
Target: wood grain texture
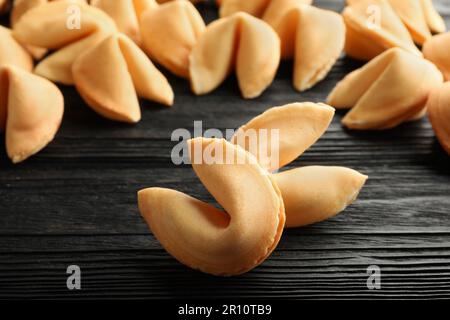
[{"x": 75, "y": 203}]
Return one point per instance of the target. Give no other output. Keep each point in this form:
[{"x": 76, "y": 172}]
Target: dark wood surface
[{"x": 75, "y": 203}]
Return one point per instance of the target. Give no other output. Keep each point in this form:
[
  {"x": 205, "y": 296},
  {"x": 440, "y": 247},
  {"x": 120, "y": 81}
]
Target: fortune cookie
[
  {"x": 20, "y": 7},
  {"x": 169, "y": 32},
  {"x": 313, "y": 37},
  {"x": 50, "y": 26},
  {"x": 299, "y": 126},
  {"x": 439, "y": 113},
  {"x": 254, "y": 7},
  {"x": 310, "y": 194},
  {"x": 420, "y": 17},
  {"x": 437, "y": 50},
  {"x": 126, "y": 14},
  {"x": 390, "y": 89},
  {"x": 228, "y": 242},
  {"x": 373, "y": 27},
  {"x": 239, "y": 42},
  {"x": 12, "y": 53},
  {"x": 113, "y": 73},
  {"x": 31, "y": 110},
  {"x": 316, "y": 193}
]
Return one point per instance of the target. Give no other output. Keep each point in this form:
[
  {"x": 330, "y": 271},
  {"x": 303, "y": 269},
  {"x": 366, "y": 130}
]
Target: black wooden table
[{"x": 75, "y": 203}]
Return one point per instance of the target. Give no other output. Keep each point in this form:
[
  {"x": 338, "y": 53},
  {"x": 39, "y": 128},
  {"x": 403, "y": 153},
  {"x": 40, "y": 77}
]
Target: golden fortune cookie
[
  {"x": 31, "y": 110},
  {"x": 111, "y": 76},
  {"x": 299, "y": 126},
  {"x": 239, "y": 42},
  {"x": 20, "y": 7},
  {"x": 437, "y": 50},
  {"x": 46, "y": 26},
  {"x": 316, "y": 193},
  {"x": 313, "y": 37},
  {"x": 387, "y": 91},
  {"x": 213, "y": 241},
  {"x": 169, "y": 32},
  {"x": 12, "y": 53},
  {"x": 126, "y": 14},
  {"x": 205, "y": 238},
  {"x": 373, "y": 27},
  {"x": 310, "y": 194},
  {"x": 419, "y": 16}
]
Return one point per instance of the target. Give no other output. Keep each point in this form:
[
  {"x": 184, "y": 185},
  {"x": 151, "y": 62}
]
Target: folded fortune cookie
[
  {"x": 20, "y": 7},
  {"x": 373, "y": 26},
  {"x": 420, "y": 17},
  {"x": 112, "y": 74},
  {"x": 12, "y": 53},
  {"x": 31, "y": 110},
  {"x": 229, "y": 242},
  {"x": 126, "y": 14},
  {"x": 239, "y": 42},
  {"x": 46, "y": 26},
  {"x": 169, "y": 32},
  {"x": 387, "y": 91},
  {"x": 437, "y": 50},
  {"x": 310, "y": 194},
  {"x": 236, "y": 240},
  {"x": 313, "y": 37}
]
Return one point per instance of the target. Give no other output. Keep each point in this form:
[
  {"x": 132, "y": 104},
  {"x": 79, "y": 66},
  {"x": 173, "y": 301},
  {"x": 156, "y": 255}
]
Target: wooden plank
[
  {"x": 83, "y": 203},
  {"x": 304, "y": 265}
]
